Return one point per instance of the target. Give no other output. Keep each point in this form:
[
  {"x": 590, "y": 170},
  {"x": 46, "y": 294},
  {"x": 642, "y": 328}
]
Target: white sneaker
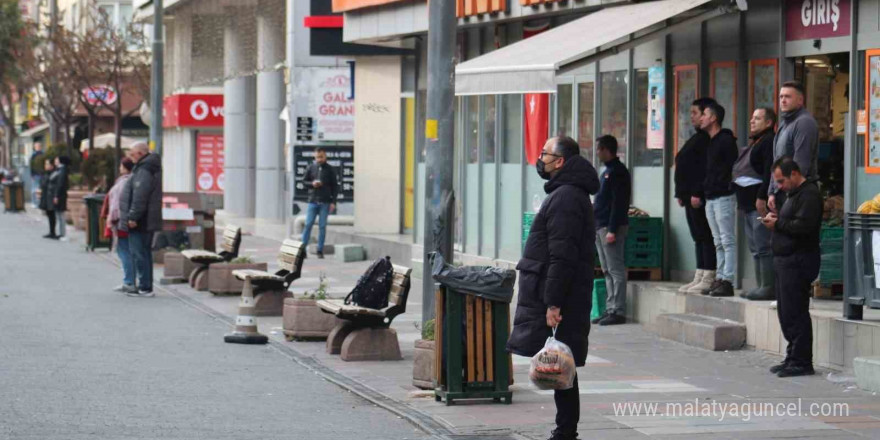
[
  {"x": 125, "y": 288},
  {"x": 705, "y": 284},
  {"x": 142, "y": 294},
  {"x": 63, "y": 238}
]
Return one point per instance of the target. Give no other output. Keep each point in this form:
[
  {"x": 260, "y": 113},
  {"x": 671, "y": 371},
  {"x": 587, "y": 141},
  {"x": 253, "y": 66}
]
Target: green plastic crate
[
  {"x": 649, "y": 225},
  {"x": 644, "y": 259},
  {"x": 643, "y": 241},
  {"x": 600, "y": 294},
  {"x": 831, "y": 233}
]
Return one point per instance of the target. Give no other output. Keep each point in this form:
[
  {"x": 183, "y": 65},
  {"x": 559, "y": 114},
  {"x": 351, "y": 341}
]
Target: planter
[
  {"x": 304, "y": 320},
  {"x": 174, "y": 266},
  {"x": 423, "y": 364},
  {"x": 222, "y": 282},
  {"x": 76, "y": 208}
]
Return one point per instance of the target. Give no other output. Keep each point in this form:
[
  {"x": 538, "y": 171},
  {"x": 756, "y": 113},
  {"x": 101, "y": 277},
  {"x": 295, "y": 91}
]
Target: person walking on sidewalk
[
  {"x": 59, "y": 183},
  {"x": 111, "y": 203},
  {"x": 46, "y": 196},
  {"x": 752, "y": 178},
  {"x": 796, "y": 258},
  {"x": 612, "y": 221},
  {"x": 320, "y": 179},
  {"x": 720, "y": 198},
  {"x": 140, "y": 213},
  {"x": 797, "y": 137},
  {"x": 690, "y": 172},
  {"x": 556, "y": 269}
]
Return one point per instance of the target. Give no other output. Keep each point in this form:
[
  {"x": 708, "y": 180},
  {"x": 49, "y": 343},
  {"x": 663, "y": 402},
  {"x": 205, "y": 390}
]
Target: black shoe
[
  {"x": 714, "y": 286},
  {"x": 51, "y": 236},
  {"x": 596, "y": 320},
  {"x": 778, "y": 367},
  {"x": 613, "y": 319},
  {"x": 558, "y": 435},
  {"x": 762, "y": 294},
  {"x": 796, "y": 370},
  {"x": 725, "y": 288},
  {"x": 320, "y": 255}
]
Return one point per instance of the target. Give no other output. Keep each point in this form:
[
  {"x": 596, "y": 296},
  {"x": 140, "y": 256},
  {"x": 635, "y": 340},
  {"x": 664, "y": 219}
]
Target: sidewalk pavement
[{"x": 627, "y": 366}]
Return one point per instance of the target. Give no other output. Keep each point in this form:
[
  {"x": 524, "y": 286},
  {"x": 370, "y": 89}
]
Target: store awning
[
  {"x": 34, "y": 131},
  {"x": 531, "y": 65}
]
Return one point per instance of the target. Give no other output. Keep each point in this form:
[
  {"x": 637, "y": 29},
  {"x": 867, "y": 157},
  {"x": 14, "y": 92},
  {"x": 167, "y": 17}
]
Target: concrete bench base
[
  {"x": 702, "y": 331},
  {"x": 337, "y": 336},
  {"x": 371, "y": 344},
  {"x": 271, "y": 303},
  {"x": 348, "y": 253},
  {"x": 867, "y": 371}
]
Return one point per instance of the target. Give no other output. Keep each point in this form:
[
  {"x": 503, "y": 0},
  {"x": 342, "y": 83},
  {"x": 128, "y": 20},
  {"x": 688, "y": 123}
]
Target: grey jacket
[
  {"x": 798, "y": 137},
  {"x": 141, "y": 198}
]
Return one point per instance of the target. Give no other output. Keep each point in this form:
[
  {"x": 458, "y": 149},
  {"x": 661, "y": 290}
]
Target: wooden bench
[
  {"x": 365, "y": 333},
  {"x": 196, "y": 261},
  {"x": 269, "y": 289}
]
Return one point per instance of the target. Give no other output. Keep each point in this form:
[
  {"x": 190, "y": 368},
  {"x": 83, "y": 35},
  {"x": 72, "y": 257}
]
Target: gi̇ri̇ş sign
[{"x": 814, "y": 19}]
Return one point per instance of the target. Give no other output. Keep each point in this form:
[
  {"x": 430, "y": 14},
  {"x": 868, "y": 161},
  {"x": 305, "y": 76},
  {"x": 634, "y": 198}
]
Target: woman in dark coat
[
  {"x": 556, "y": 270},
  {"x": 46, "y": 205},
  {"x": 58, "y": 186}
]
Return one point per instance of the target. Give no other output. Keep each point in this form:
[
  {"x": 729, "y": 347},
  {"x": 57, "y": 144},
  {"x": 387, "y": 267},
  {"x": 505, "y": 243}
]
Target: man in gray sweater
[{"x": 798, "y": 137}]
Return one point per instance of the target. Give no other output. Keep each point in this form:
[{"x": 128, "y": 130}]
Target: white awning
[
  {"x": 35, "y": 131},
  {"x": 530, "y": 65}
]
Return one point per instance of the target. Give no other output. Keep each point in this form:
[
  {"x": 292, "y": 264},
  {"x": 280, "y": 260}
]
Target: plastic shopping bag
[{"x": 553, "y": 367}]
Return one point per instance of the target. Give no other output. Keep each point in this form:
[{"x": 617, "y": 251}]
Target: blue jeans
[
  {"x": 35, "y": 201},
  {"x": 140, "y": 245},
  {"x": 314, "y": 210},
  {"x": 757, "y": 235},
  {"x": 721, "y": 213},
  {"x": 124, "y": 253}
]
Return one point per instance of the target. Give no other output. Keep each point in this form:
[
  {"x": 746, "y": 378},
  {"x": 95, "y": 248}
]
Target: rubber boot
[
  {"x": 698, "y": 276},
  {"x": 766, "y": 292},
  {"x": 759, "y": 273},
  {"x": 705, "y": 284}
]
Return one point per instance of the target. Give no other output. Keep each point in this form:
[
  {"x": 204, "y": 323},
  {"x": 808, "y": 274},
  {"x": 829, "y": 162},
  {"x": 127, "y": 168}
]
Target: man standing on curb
[
  {"x": 320, "y": 179},
  {"x": 797, "y": 137},
  {"x": 140, "y": 213},
  {"x": 556, "y": 270},
  {"x": 796, "y": 257},
  {"x": 720, "y": 199},
  {"x": 612, "y": 210}
]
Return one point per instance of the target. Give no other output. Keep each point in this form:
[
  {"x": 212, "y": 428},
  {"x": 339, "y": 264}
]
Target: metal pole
[
  {"x": 157, "y": 79},
  {"x": 290, "y": 166},
  {"x": 439, "y": 132}
]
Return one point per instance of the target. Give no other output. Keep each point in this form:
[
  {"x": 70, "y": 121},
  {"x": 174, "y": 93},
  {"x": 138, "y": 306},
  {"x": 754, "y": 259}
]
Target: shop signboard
[
  {"x": 656, "y": 107},
  {"x": 342, "y": 160},
  {"x": 332, "y": 106},
  {"x": 191, "y": 110},
  {"x": 100, "y": 95},
  {"x": 815, "y": 19},
  {"x": 210, "y": 160}
]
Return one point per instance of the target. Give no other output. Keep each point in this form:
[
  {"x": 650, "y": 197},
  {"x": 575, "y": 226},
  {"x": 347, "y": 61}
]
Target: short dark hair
[
  {"x": 718, "y": 111},
  {"x": 797, "y": 85},
  {"x": 64, "y": 160},
  {"x": 703, "y": 103},
  {"x": 786, "y": 165},
  {"x": 607, "y": 142},
  {"x": 320, "y": 150},
  {"x": 567, "y": 147},
  {"x": 769, "y": 113},
  {"x": 127, "y": 163}
]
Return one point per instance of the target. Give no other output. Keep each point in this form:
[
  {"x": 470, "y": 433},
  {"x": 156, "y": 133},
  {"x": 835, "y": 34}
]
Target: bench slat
[
  {"x": 490, "y": 349},
  {"x": 438, "y": 337},
  {"x": 478, "y": 321},
  {"x": 469, "y": 326}
]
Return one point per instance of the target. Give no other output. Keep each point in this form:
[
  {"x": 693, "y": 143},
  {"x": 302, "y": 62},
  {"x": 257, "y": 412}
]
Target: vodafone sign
[{"x": 192, "y": 111}]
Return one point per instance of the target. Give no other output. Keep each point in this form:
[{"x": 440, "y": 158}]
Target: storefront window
[
  {"x": 644, "y": 157},
  {"x": 488, "y": 128},
  {"x": 564, "y": 110},
  {"x": 763, "y": 83},
  {"x": 513, "y": 130},
  {"x": 472, "y": 128},
  {"x": 613, "y": 114},
  {"x": 723, "y": 89},
  {"x": 686, "y": 85},
  {"x": 586, "y": 133}
]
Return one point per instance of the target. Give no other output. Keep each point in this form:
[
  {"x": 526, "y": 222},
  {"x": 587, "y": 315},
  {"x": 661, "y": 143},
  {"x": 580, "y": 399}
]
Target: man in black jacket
[
  {"x": 320, "y": 179},
  {"x": 612, "y": 220},
  {"x": 796, "y": 258},
  {"x": 140, "y": 213},
  {"x": 690, "y": 172},
  {"x": 720, "y": 199},
  {"x": 556, "y": 270},
  {"x": 59, "y": 185}
]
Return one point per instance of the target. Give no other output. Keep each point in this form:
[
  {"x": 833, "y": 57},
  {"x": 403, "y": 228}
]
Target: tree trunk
[
  {"x": 91, "y": 131},
  {"x": 118, "y": 144}
]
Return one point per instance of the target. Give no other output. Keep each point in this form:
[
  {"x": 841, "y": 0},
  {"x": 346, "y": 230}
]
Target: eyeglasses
[{"x": 544, "y": 153}]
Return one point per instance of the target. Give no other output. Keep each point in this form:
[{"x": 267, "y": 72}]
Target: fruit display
[{"x": 871, "y": 206}]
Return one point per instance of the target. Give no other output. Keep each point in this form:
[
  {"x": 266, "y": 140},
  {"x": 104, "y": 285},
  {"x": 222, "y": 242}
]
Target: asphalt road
[{"x": 78, "y": 361}]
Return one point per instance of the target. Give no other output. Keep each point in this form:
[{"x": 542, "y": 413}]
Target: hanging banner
[
  {"x": 537, "y": 124},
  {"x": 656, "y": 108},
  {"x": 210, "y": 161}
]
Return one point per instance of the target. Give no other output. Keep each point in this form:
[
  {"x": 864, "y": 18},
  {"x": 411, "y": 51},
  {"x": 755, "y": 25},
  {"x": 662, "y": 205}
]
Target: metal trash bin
[
  {"x": 95, "y": 223},
  {"x": 860, "y": 288},
  {"x": 471, "y": 331},
  {"x": 13, "y": 196}
]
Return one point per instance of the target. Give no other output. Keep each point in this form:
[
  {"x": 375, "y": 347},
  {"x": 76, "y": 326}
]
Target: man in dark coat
[
  {"x": 59, "y": 183},
  {"x": 46, "y": 196},
  {"x": 556, "y": 270},
  {"x": 140, "y": 213},
  {"x": 321, "y": 180}
]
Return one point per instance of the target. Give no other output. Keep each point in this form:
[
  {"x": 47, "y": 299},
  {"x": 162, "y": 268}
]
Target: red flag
[{"x": 537, "y": 124}]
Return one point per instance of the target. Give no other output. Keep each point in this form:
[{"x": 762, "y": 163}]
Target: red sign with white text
[
  {"x": 814, "y": 19},
  {"x": 192, "y": 111},
  {"x": 210, "y": 160}
]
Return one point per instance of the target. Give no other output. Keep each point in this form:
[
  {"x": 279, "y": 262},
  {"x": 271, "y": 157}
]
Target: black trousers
[
  {"x": 568, "y": 409},
  {"x": 51, "y": 215},
  {"x": 704, "y": 245},
  {"x": 794, "y": 278}
]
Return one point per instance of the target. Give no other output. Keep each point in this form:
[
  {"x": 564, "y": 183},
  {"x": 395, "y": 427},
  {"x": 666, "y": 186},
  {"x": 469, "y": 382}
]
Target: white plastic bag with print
[{"x": 553, "y": 367}]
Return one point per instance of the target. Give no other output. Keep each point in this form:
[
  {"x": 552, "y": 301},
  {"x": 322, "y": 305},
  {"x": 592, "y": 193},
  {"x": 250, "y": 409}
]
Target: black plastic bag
[{"x": 492, "y": 283}]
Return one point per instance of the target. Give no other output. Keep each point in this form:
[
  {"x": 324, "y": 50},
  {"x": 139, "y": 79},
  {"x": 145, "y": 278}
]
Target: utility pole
[
  {"x": 439, "y": 132},
  {"x": 156, "y": 84},
  {"x": 289, "y": 75}
]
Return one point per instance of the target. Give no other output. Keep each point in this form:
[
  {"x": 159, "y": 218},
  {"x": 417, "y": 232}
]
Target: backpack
[{"x": 372, "y": 288}]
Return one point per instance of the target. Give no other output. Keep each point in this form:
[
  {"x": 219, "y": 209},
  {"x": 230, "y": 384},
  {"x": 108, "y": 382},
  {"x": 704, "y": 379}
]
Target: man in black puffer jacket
[
  {"x": 556, "y": 270},
  {"x": 140, "y": 213}
]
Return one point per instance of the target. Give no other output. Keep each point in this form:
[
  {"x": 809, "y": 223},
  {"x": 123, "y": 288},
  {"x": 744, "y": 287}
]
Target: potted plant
[
  {"x": 220, "y": 278},
  {"x": 423, "y": 357},
  {"x": 303, "y": 319}
]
